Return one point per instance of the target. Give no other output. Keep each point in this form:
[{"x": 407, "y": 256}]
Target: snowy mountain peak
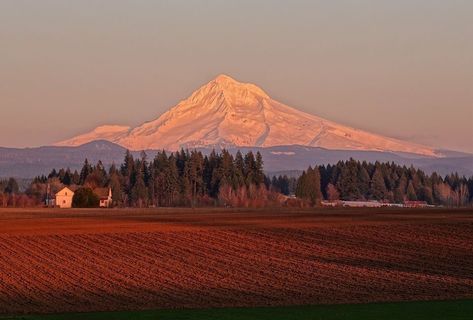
[
  {"x": 224, "y": 79},
  {"x": 225, "y": 112},
  {"x": 229, "y": 91},
  {"x": 228, "y": 84}
]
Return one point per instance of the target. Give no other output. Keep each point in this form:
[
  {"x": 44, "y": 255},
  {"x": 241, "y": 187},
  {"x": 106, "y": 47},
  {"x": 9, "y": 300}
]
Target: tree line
[
  {"x": 184, "y": 178},
  {"x": 190, "y": 178},
  {"x": 354, "y": 180}
]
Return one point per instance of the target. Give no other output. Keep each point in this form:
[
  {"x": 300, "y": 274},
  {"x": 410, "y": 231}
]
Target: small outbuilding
[
  {"x": 105, "y": 197},
  {"x": 64, "y": 198}
]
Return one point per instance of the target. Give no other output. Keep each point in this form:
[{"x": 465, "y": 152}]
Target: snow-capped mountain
[{"x": 227, "y": 113}]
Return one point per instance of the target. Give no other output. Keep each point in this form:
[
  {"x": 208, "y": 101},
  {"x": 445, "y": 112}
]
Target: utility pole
[{"x": 48, "y": 195}]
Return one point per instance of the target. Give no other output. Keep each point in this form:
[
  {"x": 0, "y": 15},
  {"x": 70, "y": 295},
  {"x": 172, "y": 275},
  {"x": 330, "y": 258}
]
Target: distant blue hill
[{"x": 30, "y": 162}]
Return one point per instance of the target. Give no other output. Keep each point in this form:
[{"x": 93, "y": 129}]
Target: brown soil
[{"x": 97, "y": 260}]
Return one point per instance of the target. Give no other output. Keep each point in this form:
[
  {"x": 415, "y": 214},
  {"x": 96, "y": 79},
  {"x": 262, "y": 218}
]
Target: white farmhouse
[{"x": 64, "y": 198}]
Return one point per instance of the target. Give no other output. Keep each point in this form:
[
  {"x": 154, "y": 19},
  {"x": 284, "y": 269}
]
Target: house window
[{"x": 63, "y": 201}]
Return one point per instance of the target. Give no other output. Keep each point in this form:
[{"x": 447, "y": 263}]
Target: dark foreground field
[
  {"x": 54, "y": 261},
  {"x": 425, "y": 310}
]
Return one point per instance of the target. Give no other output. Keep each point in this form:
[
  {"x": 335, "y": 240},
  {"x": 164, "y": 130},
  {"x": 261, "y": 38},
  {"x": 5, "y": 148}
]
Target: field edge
[{"x": 432, "y": 310}]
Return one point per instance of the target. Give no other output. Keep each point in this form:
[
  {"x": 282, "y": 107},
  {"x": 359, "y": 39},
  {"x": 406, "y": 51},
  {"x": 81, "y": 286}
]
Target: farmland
[{"x": 54, "y": 261}]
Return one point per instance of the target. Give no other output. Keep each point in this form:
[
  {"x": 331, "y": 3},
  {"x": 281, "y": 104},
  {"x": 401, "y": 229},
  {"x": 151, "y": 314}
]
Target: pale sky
[{"x": 402, "y": 68}]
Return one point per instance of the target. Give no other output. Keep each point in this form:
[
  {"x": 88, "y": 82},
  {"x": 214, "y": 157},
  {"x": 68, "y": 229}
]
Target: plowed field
[{"x": 105, "y": 260}]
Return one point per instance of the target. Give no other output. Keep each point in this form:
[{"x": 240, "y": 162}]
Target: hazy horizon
[{"x": 401, "y": 69}]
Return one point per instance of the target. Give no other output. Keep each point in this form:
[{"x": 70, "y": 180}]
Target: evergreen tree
[
  {"x": 223, "y": 173},
  {"x": 378, "y": 188},
  {"x": 160, "y": 167},
  {"x": 274, "y": 185},
  {"x": 85, "y": 171},
  {"x": 425, "y": 193},
  {"x": 115, "y": 184},
  {"x": 283, "y": 184},
  {"x": 348, "y": 181},
  {"x": 308, "y": 186},
  {"x": 54, "y": 173},
  {"x": 61, "y": 174},
  {"x": 324, "y": 179},
  {"x": 411, "y": 192},
  {"x": 67, "y": 178},
  {"x": 97, "y": 177},
  {"x": 400, "y": 190},
  {"x": 210, "y": 164},
  {"x": 145, "y": 168},
  {"x": 139, "y": 193},
  {"x": 127, "y": 170},
  {"x": 364, "y": 182},
  {"x": 172, "y": 182},
  {"x": 259, "y": 174},
  {"x": 239, "y": 170},
  {"x": 75, "y": 178},
  {"x": 194, "y": 176},
  {"x": 250, "y": 169}
]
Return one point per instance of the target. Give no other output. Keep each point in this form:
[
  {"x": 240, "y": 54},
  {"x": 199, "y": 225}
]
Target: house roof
[{"x": 64, "y": 190}]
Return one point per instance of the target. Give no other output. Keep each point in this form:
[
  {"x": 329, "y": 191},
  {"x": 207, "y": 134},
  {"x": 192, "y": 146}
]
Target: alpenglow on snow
[{"x": 228, "y": 113}]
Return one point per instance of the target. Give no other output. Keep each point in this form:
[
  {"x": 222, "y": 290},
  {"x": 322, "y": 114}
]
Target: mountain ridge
[
  {"x": 30, "y": 162},
  {"x": 228, "y": 113}
]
